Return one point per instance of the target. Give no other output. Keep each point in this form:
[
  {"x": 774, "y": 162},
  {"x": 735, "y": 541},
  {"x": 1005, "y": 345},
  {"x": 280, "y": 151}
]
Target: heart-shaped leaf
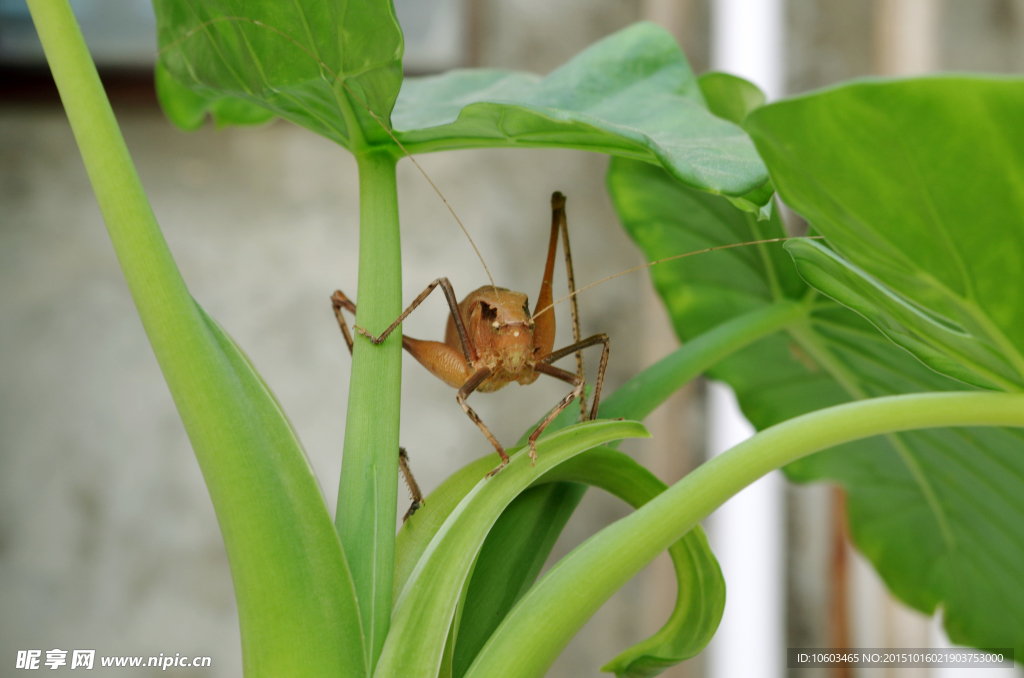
[
  {"x": 336, "y": 70},
  {"x": 188, "y": 109},
  {"x": 631, "y": 94}
]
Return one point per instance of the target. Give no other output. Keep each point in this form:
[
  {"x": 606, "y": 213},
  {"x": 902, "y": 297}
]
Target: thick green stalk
[
  {"x": 152, "y": 276},
  {"x": 642, "y": 394},
  {"x": 368, "y": 495},
  {"x": 562, "y": 601},
  {"x": 296, "y": 604}
]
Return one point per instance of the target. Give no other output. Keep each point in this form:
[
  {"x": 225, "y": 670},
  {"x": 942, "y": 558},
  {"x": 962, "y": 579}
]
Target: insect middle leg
[
  {"x": 544, "y": 367},
  {"x": 414, "y": 488},
  {"x": 575, "y": 348},
  {"x": 557, "y": 373}
]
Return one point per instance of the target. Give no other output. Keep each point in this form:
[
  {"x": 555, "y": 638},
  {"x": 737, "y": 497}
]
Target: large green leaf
[
  {"x": 188, "y": 109},
  {"x": 326, "y": 66},
  {"x": 333, "y": 67},
  {"x": 933, "y": 481},
  {"x": 936, "y": 343},
  {"x": 920, "y": 184},
  {"x": 296, "y": 603},
  {"x": 631, "y": 94}
]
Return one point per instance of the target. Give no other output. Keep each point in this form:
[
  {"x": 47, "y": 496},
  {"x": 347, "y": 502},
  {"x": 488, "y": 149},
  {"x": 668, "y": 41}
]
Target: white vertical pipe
[
  {"x": 906, "y": 42},
  {"x": 747, "y": 533},
  {"x": 747, "y": 536},
  {"x": 746, "y": 40},
  {"x": 906, "y": 35}
]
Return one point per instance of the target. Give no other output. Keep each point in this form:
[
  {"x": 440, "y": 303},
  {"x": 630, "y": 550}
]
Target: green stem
[
  {"x": 153, "y": 278},
  {"x": 368, "y": 493},
  {"x": 766, "y": 260},
  {"x": 557, "y": 607},
  {"x": 642, "y": 394}
]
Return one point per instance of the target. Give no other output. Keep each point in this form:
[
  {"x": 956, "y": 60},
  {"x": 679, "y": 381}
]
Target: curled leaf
[{"x": 700, "y": 599}]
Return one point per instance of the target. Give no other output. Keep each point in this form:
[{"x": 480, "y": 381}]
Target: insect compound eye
[{"x": 487, "y": 311}]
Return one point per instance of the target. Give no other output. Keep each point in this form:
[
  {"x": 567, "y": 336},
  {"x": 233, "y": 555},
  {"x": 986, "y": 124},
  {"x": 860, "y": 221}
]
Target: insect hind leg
[{"x": 558, "y": 204}]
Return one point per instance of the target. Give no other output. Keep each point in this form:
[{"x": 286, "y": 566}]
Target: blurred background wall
[{"x": 107, "y": 537}]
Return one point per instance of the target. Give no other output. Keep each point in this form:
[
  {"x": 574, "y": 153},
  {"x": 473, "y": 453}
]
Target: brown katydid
[{"x": 493, "y": 340}]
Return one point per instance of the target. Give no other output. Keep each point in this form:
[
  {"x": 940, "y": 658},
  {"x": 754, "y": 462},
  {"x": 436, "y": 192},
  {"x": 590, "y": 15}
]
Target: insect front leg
[
  {"x": 471, "y": 385},
  {"x": 453, "y": 304},
  {"x": 341, "y": 302},
  {"x": 545, "y": 367}
]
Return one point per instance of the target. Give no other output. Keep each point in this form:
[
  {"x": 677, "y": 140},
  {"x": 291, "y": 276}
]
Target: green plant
[{"x": 830, "y": 354}]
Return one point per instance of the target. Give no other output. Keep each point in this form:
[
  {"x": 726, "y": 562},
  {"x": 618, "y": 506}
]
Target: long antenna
[
  {"x": 348, "y": 89},
  {"x": 672, "y": 258}
]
